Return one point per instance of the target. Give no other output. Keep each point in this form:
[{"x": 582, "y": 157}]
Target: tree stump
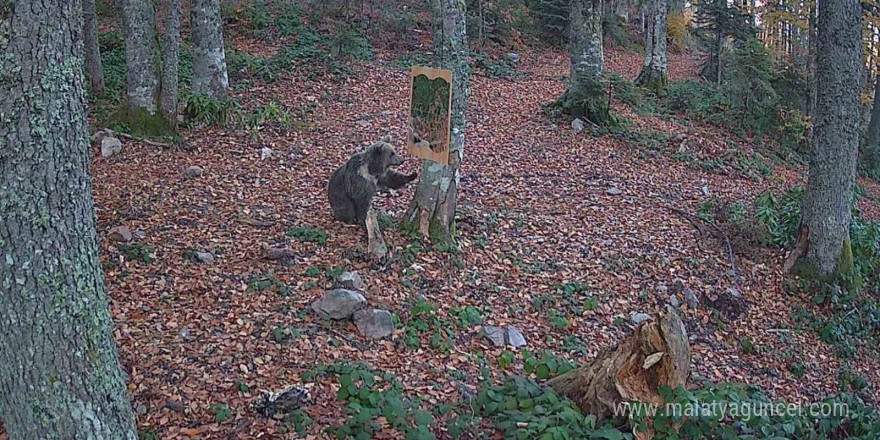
[
  {"x": 656, "y": 354},
  {"x": 375, "y": 242}
]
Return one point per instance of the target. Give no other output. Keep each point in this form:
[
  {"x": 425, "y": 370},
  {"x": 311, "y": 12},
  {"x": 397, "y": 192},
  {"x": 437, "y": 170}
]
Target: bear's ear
[{"x": 386, "y": 139}]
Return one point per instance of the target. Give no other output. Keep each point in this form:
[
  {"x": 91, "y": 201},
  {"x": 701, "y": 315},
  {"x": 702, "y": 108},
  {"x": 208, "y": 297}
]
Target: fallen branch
[
  {"x": 718, "y": 233},
  {"x": 138, "y": 139}
]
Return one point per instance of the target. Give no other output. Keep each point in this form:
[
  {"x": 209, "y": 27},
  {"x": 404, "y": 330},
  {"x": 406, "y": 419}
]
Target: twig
[
  {"x": 718, "y": 233},
  {"x": 137, "y": 139}
]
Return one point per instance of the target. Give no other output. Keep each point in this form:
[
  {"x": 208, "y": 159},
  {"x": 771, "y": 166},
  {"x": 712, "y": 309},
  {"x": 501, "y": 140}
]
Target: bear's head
[{"x": 381, "y": 156}]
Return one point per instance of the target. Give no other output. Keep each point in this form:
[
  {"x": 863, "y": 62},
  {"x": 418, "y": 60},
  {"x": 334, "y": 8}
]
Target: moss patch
[{"x": 140, "y": 122}]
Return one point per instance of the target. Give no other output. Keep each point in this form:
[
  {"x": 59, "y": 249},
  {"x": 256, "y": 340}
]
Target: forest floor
[{"x": 539, "y": 236}]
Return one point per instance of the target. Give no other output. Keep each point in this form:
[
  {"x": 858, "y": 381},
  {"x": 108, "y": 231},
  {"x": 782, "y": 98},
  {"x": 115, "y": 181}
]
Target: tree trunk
[
  {"x": 60, "y": 376},
  {"x": 654, "y": 72},
  {"x": 656, "y": 354},
  {"x": 585, "y": 96},
  {"x": 676, "y": 7},
  {"x": 93, "y": 51},
  {"x": 139, "y": 20},
  {"x": 812, "y": 24},
  {"x": 170, "y": 63},
  {"x": 823, "y": 248},
  {"x": 209, "y": 57},
  {"x": 432, "y": 209},
  {"x": 871, "y": 154},
  {"x": 621, "y": 10}
]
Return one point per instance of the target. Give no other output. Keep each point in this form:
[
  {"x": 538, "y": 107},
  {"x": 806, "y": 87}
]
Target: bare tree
[
  {"x": 822, "y": 249},
  {"x": 209, "y": 56},
  {"x": 60, "y": 376},
  {"x": 653, "y": 75},
  {"x": 432, "y": 209},
  {"x": 93, "y": 51},
  {"x": 170, "y": 62}
]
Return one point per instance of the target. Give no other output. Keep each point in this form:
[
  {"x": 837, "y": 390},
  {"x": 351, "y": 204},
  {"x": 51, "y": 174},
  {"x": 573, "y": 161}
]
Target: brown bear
[{"x": 353, "y": 185}]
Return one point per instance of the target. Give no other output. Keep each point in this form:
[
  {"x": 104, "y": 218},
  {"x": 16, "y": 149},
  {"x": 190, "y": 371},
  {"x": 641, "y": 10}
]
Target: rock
[
  {"x": 276, "y": 253},
  {"x": 500, "y": 336},
  {"x": 730, "y": 303},
  {"x": 691, "y": 298},
  {"x": 351, "y": 280},
  {"x": 121, "y": 234},
  {"x": 514, "y": 337},
  {"x": 512, "y": 57},
  {"x": 174, "y": 405},
  {"x": 386, "y": 113},
  {"x": 638, "y": 318},
  {"x": 577, "y": 125},
  {"x": 193, "y": 172},
  {"x": 662, "y": 288},
  {"x": 203, "y": 257},
  {"x": 363, "y": 123},
  {"x": 110, "y": 146},
  {"x": 266, "y": 153},
  {"x": 339, "y": 304},
  {"x": 374, "y": 323},
  {"x": 674, "y": 301},
  {"x": 705, "y": 190},
  {"x": 141, "y": 409},
  {"x": 613, "y": 191}
]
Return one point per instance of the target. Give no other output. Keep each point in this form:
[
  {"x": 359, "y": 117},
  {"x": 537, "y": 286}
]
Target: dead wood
[{"x": 656, "y": 354}]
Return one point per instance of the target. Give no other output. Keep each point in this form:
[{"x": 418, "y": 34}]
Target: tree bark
[
  {"x": 656, "y": 354},
  {"x": 585, "y": 38},
  {"x": 60, "y": 376},
  {"x": 824, "y": 234},
  {"x": 209, "y": 57},
  {"x": 871, "y": 154},
  {"x": 139, "y": 21},
  {"x": 653, "y": 75},
  {"x": 585, "y": 96},
  {"x": 170, "y": 63},
  {"x": 93, "y": 51},
  {"x": 432, "y": 209}
]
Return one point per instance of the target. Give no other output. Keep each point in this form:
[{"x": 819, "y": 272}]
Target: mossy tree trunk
[
  {"x": 170, "y": 63},
  {"x": 653, "y": 75},
  {"x": 209, "y": 56},
  {"x": 585, "y": 96},
  {"x": 59, "y": 376},
  {"x": 93, "y": 51},
  {"x": 656, "y": 354},
  {"x": 823, "y": 248},
  {"x": 432, "y": 210}
]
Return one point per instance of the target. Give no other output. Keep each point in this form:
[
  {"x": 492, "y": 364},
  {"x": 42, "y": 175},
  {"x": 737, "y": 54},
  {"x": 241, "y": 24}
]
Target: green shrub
[{"x": 205, "y": 110}]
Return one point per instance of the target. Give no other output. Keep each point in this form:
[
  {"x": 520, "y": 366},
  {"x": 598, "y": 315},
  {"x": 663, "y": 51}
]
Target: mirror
[{"x": 430, "y": 114}]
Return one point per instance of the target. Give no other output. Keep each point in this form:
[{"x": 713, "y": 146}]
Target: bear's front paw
[{"x": 412, "y": 177}]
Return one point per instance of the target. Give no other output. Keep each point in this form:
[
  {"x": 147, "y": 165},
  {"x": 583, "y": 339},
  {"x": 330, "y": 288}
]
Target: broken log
[
  {"x": 656, "y": 354},
  {"x": 375, "y": 242}
]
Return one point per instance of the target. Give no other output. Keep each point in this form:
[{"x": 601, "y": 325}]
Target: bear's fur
[{"x": 353, "y": 185}]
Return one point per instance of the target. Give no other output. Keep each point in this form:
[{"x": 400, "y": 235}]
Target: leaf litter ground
[{"x": 534, "y": 216}]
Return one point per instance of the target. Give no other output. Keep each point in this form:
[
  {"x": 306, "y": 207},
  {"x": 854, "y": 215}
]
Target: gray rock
[
  {"x": 363, "y": 123},
  {"x": 691, "y": 298},
  {"x": 662, "y": 288},
  {"x": 203, "y": 257},
  {"x": 501, "y": 336},
  {"x": 513, "y": 57},
  {"x": 374, "y": 323},
  {"x": 339, "y": 304},
  {"x": 110, "y": 146},
  {"x": 674, "y": 301},
  {"x": 351, "y": 280},
  {"x": 193, "y": 172},
  {"x": 121, "y": 234},
  {"x": 577, "y": 125},
  {"x": 514, "y": 337},
  {"x": 613, "y": 191},
  {"x": 638, "y": 318},
  {"x": 266, "y": 153}
]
